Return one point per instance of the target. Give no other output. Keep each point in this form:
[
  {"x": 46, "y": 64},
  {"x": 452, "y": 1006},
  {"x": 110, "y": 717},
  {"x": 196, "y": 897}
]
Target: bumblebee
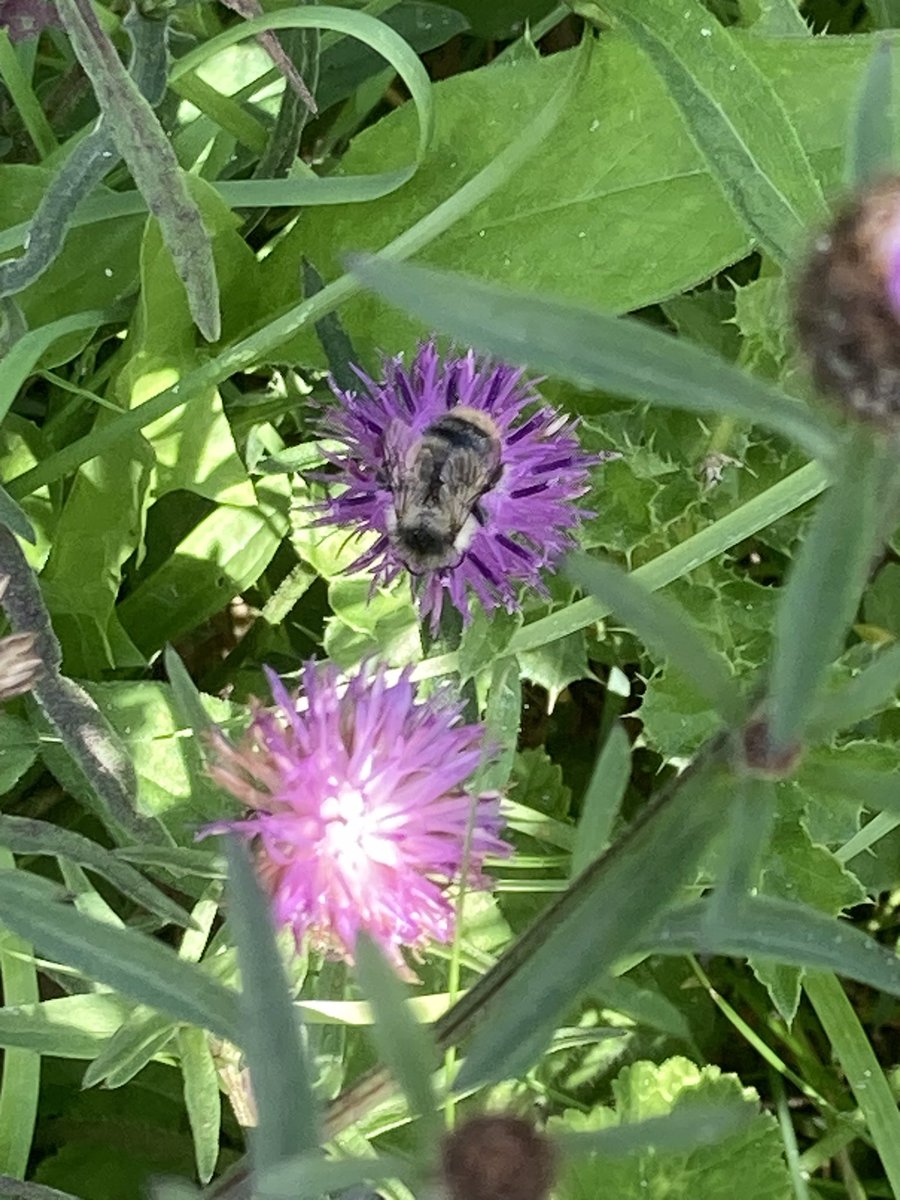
[{"x": 437, "y": 487}]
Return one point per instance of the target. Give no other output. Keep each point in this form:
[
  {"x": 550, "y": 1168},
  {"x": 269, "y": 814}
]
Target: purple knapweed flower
[
  {"x": 466, "y": 477},
  {"x": 359, "y": 814}
]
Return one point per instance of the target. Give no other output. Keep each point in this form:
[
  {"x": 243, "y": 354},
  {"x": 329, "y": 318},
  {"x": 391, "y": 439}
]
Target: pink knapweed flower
[
  {"x": 360, "y": 816},
  {"x": 466, "y": 477}
]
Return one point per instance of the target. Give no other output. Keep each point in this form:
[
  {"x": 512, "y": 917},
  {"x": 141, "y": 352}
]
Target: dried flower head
[
  {"x": 359, "y": 811},
  {"x": 467, "y": 479},
  {"x": 497, "y": 1157},
  {"x": 848, "y": 305}
]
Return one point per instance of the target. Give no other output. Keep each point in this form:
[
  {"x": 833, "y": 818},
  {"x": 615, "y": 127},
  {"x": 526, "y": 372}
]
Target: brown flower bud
[
  {"x": 497, "y": 1157},
  {"x": 847, "y": 308}
]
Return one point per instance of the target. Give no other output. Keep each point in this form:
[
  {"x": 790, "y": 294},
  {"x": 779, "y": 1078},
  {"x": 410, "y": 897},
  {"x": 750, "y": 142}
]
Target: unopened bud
[
  {"x": 497, "y": 1157},
  {"x": 848, "y": 306}
]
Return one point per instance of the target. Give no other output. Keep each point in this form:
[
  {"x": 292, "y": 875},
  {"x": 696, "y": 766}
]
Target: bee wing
[{"x": 468, "y": 475}]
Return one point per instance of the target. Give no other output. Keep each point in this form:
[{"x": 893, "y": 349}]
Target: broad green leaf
[
  {"x": 221, "y": 556},
  {"x": 870, "y": 142},
  {"x": 798, "y": 870},
  {"x": 26, "y": 835},
  {"x": 137, "y": 965},
  {"x": 658, "y": 621},
  {"x": 779, "y": 18},
  {"x": 171, "y": 781},
  {"x": 555, "y": 666},
  {"x": 734, "y": 116},
  {"x": 20, "y": 1082},
  {"x": 279, "y": 1071},
  {"x": 592, "y": 349},
  {"x": 201, "y": 1098},
  {"x": 621, "y": 160},
  {"x": 76, "y": 1026},
  {"x": 603, "y": 799},
  {"x": 137, "y": 1042},
  {"x": 748, "y": 1149},
  {"x": 18, "y": 750},
  {"x": 193, "y": 446},
  {"x": 95, "y": 269},
  {"x": 403, "y": 1044},
  {"x": 99, "y": 528},
  {"x": 779, "y": 931},
  {"x": 862, "y": 1069},
  {"x": 151, "y": 160},
  {"x": 587, "y": 930},
  {"x": 824, "y": 587}
]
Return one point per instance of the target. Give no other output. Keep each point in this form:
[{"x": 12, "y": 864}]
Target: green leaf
[
  {"x": 871, "y": 691},
  {"x": 201, "y": 1098},
  {"x": 664, "y": 626},
  {"x": 780, "y": 18},
  {"x": 779, "y": 931},
  {"x": 137, "y": 965},
  {"x": 502, "y": 718},
  {"x": 26, "y": 835},
  {"x": 374, "y": 33},
  {"x": 279, "y": 1072},
  {"x": 186, "y": 696},
  {"x": 21, "y": 1072},
  {"x": 602, "y": 799},
  {"x": 861, "y": 1068},
  {"x": 824, "y": 587},
  {"x": 134, "y": 1044},
  {"x": 151, "y": 160},
  {"x": 749, "y": 1151},
  {"x": 870, "y": 144},
  {"x": 308, "y": 1176},
  {"x": 734, "y": 116},
  {"x": 555, "y": 666},
  {"x": 591, "y": 349},
  {"x": 13, "y": 517},
  {"x": 31, "y": 1191},
  {"x": 76, "y": 1026},
  {"x": 193, "y": 447},
  {"x": 18, "y": 750},
  {"x": 587, "y": 929},
  {"x": 798, "y": 870},
  {"x": 404, "y": 1046}
]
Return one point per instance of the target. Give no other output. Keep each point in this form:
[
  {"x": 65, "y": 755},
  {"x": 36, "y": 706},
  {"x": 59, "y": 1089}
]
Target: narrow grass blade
[
  {"x": 862, "y": 1069},
  {"x": 734, "y": 116},
  {"x": 280, "y": 1075},
  {"x": 136, "y": 965},
  {"x": 870, "y": 143},
  {"x": 14, "y": 1190},
  {"x": 23, "y": 357},
  {"x": 602, "y": 799},
  {"x": 780, "y": 931},
  {"x": 24, "y": 102},
  {"x": 664, "y": 626},
  {"x": 743, "y": 846},
  {"x": 21, "y": 1069},
  {"x": 680, "y": 1131},
  {"x": 403, "y": 1044},
  {"x": 25, "y": 835},
  {"x": 588, "y": 929},
  {"x": 375, "y": 34},
  {"x": 68, "y": 1027},
  {"x": 151, "y": 159},
  {"x": 615, "y": 354},
  {"x": 867, "y": 693},
  {"x": 823, "y": 588},
  {"x": 201, "y": 1098}
]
